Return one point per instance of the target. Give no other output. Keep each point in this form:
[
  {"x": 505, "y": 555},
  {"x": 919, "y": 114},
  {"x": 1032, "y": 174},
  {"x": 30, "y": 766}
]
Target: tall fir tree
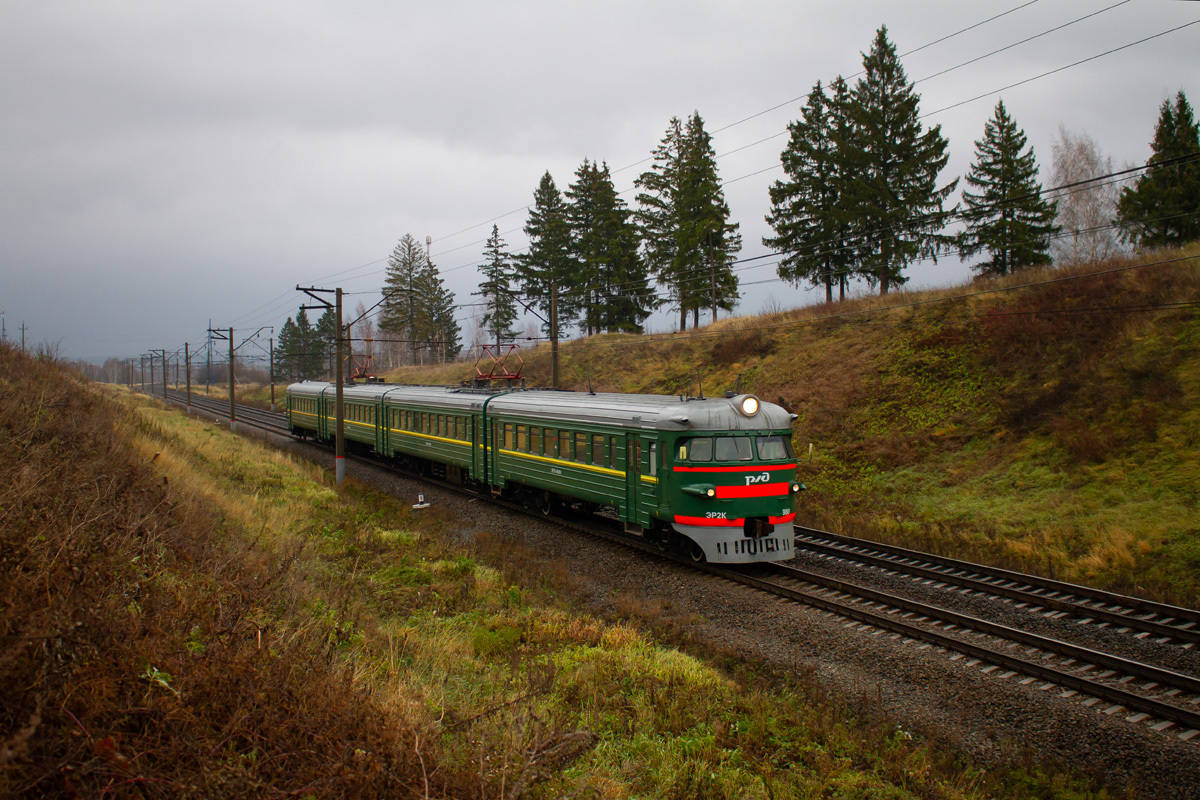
[
  {"x": 657, "y": 217},
  {"x": 684, "y": 222},
  {"x": 894, "y": 197},
  {"x": 287, "y": 350},
  {"x": 308, "y": 352},
  {"x": 610, "y": 288},
  {"x": 326, "y": 343},
  {"x": 808, "y": 211},
  {"x": 500, "y": 310},
  {"x": 402, "y": 303},
  {"x": 438, "y": 328},
  {"x": 1162, "y": 208},
  {"x": 544, "y": 271},
  {"x": 1007, "y": 218}
]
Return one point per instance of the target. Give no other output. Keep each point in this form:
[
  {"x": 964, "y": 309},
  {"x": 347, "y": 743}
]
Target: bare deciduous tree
[{"x": 1086, "y": 213}]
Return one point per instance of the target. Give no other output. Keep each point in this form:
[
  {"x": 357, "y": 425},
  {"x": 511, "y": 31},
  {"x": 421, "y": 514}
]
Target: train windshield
[
  {"x": 734, "y": 448},
  {"x": 774, "y": 447}
]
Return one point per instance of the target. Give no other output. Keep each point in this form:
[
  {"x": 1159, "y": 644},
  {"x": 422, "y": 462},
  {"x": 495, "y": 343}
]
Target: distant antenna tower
[{"x": 429, "y": 247}]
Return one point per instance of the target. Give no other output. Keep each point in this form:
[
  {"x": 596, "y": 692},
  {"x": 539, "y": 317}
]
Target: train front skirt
[{"x": 726, "y": 542}]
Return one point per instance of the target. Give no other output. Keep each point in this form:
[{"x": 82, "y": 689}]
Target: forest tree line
[{"x": 860, "y": 199}]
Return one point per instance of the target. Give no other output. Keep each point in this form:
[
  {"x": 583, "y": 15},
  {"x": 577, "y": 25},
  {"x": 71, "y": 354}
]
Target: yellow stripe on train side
[{"x": 519, "y": 454}]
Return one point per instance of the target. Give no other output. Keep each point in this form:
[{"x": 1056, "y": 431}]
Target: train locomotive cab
[{"x": 733, "y": 481}]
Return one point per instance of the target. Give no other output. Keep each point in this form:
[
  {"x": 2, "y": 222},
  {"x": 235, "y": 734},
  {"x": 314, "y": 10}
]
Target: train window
[
  {"x": 521, "y": 440},
  {"x": 734, "y": 448},
  {"x": 535, "y": 440},
  {"x": 654, "y": 458},
  {"x": 564, "y": 444},
  {"x": 635, "y": 462},
  {"x": 581, "y": 448},
  {"x": 612, "y": 451},
  {"x": 772, "y": 447},
  {"x": 551, "y": 448},
  {"x": 598, "y": 451},
  {"x": 698, "y": 449},
  {"x": 508, "y": 436}
]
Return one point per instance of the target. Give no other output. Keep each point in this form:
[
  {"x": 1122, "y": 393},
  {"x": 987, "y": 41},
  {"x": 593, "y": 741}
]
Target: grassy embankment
[
  {"x": 1053, "y": 428},
  {"x": 188, "y": 613}
]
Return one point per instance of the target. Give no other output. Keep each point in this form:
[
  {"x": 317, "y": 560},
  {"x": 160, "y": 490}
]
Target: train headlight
[
  {"x": 748, "y": 405},
  {"x": 798, "y": 487},
  {"x": 711, "y": 493}
]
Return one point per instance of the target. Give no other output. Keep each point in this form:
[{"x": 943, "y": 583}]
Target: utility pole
[
  {"x": 553, "y": 334},
  {"x": 339, "y": 442},
  {"x": 22, "y": 338},
  {"x": 271, "y": 348},
  {"x": 339, "y": 446},
  {"x": 232, "y": 406},
  {"x": 150, "y": 358},
  {"x": 165, "y": 374},
  {"x": 208, "y": 378},
  {"x": 220, "y": 334},
  {"x": 187, "y": 361}
]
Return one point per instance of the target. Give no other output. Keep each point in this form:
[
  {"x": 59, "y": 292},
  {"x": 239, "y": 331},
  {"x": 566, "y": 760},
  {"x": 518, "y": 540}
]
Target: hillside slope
[{"x": 1048, "y": 421}]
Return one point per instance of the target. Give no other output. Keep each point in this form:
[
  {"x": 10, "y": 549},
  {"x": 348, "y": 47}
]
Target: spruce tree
[
  {"x": 684, "y": 222},
  {"x": 1162, "y": 209},
  {"x": 713, "y": 236},
  {"x": 308, "y": 356},
  {"x": 658, "y": 218},
  {"x": 402, "y": 303},
  {"x": 496, "y": 289},
  {"x": 326, "y": 343},
  {"x": 808, "y": 208},
  {"x": 894, "y": 198},
  {"x": 286, "y": 349},
  {"x": 610, "y": 287},
  {"x": 437, "y": 324},
  {"x": 544, "y": 272},
  {"x": 1008, "y": 218}
]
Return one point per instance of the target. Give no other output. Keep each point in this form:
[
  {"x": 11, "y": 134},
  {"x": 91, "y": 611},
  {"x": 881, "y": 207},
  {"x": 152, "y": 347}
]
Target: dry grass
[{"x": 142, "y": 653}]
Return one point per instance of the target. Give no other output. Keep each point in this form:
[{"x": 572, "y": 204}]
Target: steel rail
[
  {"x": 1157, "y": 628},
  {"x": 1049, "y": 584}
]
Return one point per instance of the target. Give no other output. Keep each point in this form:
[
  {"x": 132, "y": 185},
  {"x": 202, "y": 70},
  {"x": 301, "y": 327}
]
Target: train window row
[
  {"x": 447, "y": 426},
  {"x": 735, "y": 448},
  {"x": 356, "y": 413},
  {"x": 596, "y": 448},
  {"x": 307, "y": 404},
  {"x": 727, "y": 449}
]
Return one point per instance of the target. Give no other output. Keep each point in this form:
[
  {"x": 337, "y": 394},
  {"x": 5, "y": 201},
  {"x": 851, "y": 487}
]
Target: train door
[
  {"x": 325, "y": 411},
  {"x": 633, "y": 482},
  {"x": 477, "y": 452},
  {"x": 648, "y": 486}
]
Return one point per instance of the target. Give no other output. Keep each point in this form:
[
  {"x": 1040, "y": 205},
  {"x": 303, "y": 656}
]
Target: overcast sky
[{"x": 164, "y": 164}]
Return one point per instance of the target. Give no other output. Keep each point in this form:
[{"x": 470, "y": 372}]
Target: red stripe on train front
[
  {"x": 754, "y": 490},
  {"x": 759, "y": 468}
]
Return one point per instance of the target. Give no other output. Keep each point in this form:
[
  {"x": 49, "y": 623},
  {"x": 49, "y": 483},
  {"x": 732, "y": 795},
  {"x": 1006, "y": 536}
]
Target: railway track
[
  {"x": 1165, "y": 700},
  {"x": 1031, "y": 593}
]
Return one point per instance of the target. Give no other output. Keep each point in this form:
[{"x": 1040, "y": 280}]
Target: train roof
[{"x": 646, "y": 411}]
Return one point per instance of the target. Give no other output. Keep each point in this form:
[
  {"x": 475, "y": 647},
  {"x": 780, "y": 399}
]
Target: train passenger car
[{"x": 713, "y": 477}]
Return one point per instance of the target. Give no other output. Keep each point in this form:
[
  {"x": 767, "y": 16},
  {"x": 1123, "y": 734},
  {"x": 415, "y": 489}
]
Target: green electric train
[{"x": 712, "y": 477}]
